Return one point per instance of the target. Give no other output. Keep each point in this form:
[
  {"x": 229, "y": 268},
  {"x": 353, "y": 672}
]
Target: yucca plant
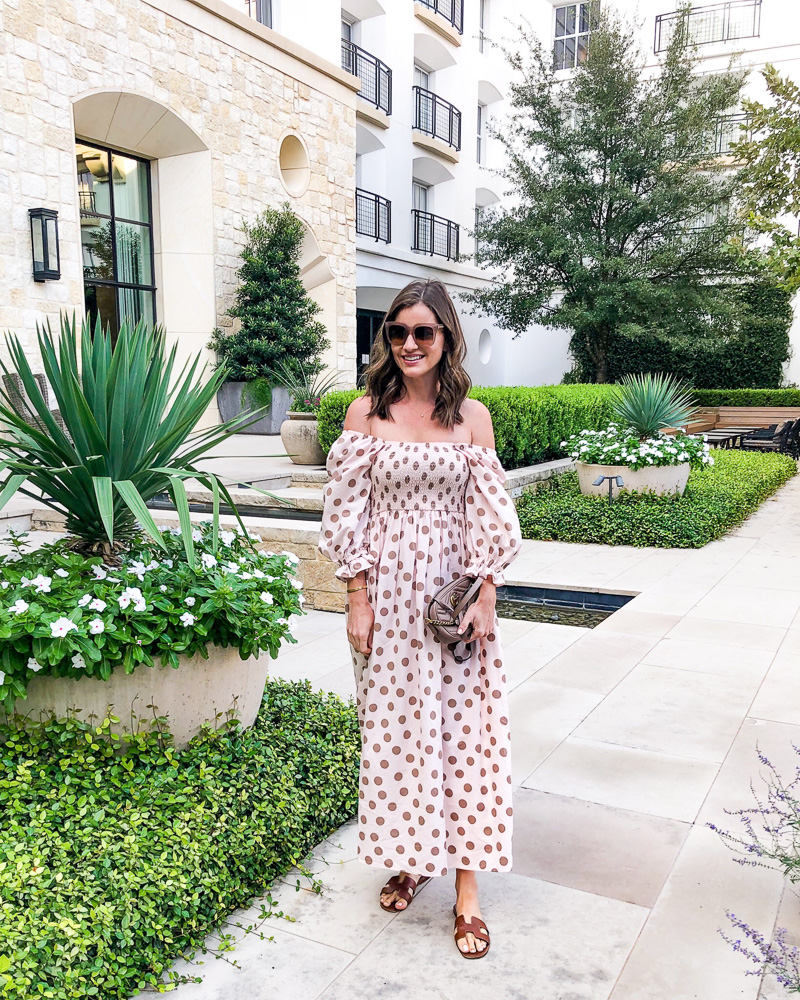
[
  {"x": 127, "y": 432},
  {"x": 305, "y": 385},
  {"x": 652, "y": 401}
]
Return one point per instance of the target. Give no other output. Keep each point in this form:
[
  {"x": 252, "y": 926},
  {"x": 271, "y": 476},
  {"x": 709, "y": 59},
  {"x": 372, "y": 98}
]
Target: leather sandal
[
  {"x": 477, "y": 928},
  {"x": 406, "y": 887}
]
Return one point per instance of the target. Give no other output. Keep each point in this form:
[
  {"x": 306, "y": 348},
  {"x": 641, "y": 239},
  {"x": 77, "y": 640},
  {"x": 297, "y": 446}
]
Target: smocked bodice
[{"x": 413, "y": 476}]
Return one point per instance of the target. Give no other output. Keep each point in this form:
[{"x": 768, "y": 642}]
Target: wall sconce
[{"x": 44, "y": 243}]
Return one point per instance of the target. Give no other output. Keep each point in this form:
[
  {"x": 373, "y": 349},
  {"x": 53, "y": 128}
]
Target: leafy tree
[
  {"x": 276, "y": 313},
  {"x": 771, "y": 153},
  {"x": 620, "y": 218}
]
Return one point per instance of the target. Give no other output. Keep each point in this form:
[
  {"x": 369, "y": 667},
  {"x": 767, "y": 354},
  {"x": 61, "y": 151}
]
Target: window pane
[
  {"x": 92, "y": 167},
  {"x": 97, "y": 249},
  {"x": 583, "y": 47},
  {"x": 569, "y": 53},
  {"x": 135, "y": 304},
  {"x": 570, "y": 19},
  {"x": 561, "y": 21},
  {"x": 133, "y": 254},
  {"x": 101, "y": 301},
  {"x": 585, "y": 17},
  {"x": 130, "y": 188},
  {"x": 558, "y": 54}
]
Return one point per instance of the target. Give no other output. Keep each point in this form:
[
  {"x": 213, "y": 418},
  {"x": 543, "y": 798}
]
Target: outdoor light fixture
[
  {"x": 44, "y": 244},
  {"x": 611, "y": 480}
]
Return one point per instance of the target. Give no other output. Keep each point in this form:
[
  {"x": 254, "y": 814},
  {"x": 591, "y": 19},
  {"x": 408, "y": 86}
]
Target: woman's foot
[
  {"x": 398, "y": 887},
  {"x": 467, "y": 907}
]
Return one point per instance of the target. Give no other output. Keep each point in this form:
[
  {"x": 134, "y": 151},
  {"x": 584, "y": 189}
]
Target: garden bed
[
  {"x": 113, "y": 864},
  {"x": 717, "y": 499}
]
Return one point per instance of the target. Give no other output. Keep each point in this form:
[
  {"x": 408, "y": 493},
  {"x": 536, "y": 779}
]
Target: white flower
[
  {"x": 99, "y": 573},
  {"x": 297, "y": 584},
  {"x": 2, "y": 677},
  {"x": 245, "y": 576},
  {"x": 232, "y": 567},
  {"x": 19, "y": 607},
  {"x": 163, "y": 588},
  {"x": 140, "y": 605},
  {"x": 59, "y": 628},
  {"x": 266, "y": 598},
  {"x": 301, "y": 599},
  {"x": 208, "y": 560},
  {"x": 152, "y": 564},
  {"x": 169, "y": 563},
  {"x": 260, "y": 575},
  {"x": 188, "y": 619},
  {"x": 42, "y": 584},
  {"x": 5, "y": 584},
  {"x": 132, "y": 594},
  {"x": 124, "y": 601},
  {"x": 291, "y": 557},
  {"x": 227, "y": 537},
  {"x": 78, "y": 662},
  {"x": 62, "y": 573},
  {"x": 84, "y": 600},
  {"x": 196, "y": 536},
  {"x": 191, "y": 601},
  {"x": 96, "y": 626},
  {"x": 34, "y": 665},
  {"x": 98, "y": 605}
]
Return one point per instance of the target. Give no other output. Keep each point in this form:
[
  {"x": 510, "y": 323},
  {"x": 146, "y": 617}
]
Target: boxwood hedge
[
  {"x": 530, "y": 422},
  {"x": 717, "y": 498},
  {"x": 112, "y": 864},
  {"x": 747, "y": 397}
]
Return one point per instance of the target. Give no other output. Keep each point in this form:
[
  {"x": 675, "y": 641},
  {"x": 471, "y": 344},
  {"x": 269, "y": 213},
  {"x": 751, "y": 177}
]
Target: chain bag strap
[{"x": 446, "y": 609}]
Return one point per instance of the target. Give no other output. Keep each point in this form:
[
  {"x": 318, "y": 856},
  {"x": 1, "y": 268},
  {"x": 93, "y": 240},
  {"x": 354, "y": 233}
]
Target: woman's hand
[
  {"x": 480, "y": 614},
  {"x": 360, "y": 622}
]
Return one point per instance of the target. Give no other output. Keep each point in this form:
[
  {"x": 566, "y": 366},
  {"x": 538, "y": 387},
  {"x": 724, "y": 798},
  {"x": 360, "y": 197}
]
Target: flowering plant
[
  {"x": 63, "y": 615},
  {"x": 619, "y": 445}
]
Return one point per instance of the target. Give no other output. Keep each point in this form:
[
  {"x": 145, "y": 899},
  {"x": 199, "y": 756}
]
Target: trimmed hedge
[
  {"x": 530, "y": 422},
  {"x": 112, "y": 865},
  {"x": 717, "y": 499},
  {"x": 747, "y": 397}
]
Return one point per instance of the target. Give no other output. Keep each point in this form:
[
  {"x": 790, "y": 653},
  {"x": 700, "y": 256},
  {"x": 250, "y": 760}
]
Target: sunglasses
[{"x": 423, "y": 333}]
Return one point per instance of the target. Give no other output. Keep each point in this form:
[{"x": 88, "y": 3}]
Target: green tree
[
  {"x": 771, "y": 153},
  {"x": 276, "y": 313},
  {"x": 620, "y": 215}
]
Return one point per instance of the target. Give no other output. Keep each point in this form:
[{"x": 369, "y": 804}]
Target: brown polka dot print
[{"x": 435, "y": 781}]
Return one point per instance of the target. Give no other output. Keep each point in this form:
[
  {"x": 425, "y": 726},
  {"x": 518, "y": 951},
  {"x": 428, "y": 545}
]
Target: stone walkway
[{"x": 626, "y": 740}]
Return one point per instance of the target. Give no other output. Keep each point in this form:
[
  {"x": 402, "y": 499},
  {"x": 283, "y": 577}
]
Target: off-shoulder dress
[{"x": 435, "y": 777}]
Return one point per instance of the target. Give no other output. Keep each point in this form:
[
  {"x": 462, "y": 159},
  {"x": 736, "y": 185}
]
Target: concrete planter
[
  {"x": 233, "y": 399},
  {"x": 662, "y": 479},
  {"x": 198, "y": 691},
  {"x": 299, "y": 437}
]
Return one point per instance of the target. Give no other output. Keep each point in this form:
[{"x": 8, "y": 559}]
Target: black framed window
[{"x": 116, "y": 213}]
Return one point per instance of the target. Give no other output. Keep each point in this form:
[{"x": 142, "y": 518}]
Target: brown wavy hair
[{"x": 383, "y": 378}]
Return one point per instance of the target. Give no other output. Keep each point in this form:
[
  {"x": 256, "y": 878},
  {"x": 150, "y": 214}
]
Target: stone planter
[
  {"x": 199, "y": 691},
  {"x": 660, "y": 479},
  {"x": 299, "y": 437},
  {"x": 233, "y": 399}
]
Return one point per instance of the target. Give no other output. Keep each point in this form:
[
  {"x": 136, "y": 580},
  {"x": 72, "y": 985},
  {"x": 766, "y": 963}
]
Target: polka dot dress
[{"x": 435, "y": 780}]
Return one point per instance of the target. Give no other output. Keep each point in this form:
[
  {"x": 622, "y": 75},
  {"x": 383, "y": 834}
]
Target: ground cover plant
[
  {"x": 717, "y": 498},
  {"x": 112, "y": 864}
]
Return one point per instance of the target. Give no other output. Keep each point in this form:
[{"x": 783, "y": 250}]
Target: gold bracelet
[{"x": 349, "y": 591}]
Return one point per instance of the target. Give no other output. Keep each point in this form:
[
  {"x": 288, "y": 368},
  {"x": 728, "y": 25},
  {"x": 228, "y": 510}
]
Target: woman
[{"x": 415, "y": 500}]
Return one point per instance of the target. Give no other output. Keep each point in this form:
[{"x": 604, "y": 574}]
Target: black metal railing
[
  {"x": 717, "y": 22},
  {"x": 261, "y": 10},
  {"x": 373, "y": 216},
  {"x": 437, "y": 117},
  {"x": 434, "y": 235},
  {"x": 730, "y": 129},
  {"x": 375, "y": 75},
  {"x": 87, "y": 201},
  {"x": 451, "y": 10}
]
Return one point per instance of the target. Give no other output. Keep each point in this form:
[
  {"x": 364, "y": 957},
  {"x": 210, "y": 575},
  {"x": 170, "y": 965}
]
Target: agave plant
[
  {"x": 306, "y": 386},
  {"x": 650, "y": 402},
  {"x": 126, "y": 433}
]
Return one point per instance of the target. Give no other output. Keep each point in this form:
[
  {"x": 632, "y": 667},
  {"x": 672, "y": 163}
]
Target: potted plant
[
  {"x": 120, "y": 612},
  {"x": 300, "y": 432},
  {"x": 277, "y": 323},
  {"x": 636, "y": 448}
]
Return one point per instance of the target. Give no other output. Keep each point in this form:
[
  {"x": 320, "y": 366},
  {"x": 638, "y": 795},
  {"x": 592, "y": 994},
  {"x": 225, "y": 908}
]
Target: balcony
[
  {"x": 451, "y": 10},
  {"x": 718, "y": 22},
  {"x": 438, "y": 119},
  {"x": 375, "y": 76},
  {"x": 730, "y": 129},
  {"x": 434, "y": 235},
  {"x": 261, "y": 10},
  {"x": 373, "y": 216}
]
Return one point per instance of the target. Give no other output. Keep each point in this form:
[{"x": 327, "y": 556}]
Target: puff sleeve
[
  {"x": 344, "y": 534},
  {"x": 493, "y": 536}
]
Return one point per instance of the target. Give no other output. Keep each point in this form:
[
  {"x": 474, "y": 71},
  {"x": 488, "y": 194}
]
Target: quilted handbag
[{"x": 446, "y": 609}]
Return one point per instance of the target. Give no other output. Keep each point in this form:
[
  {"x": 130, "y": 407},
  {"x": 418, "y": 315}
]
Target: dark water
[{"x": 532, "y": 612}]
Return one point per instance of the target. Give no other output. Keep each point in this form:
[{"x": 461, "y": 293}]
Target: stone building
[{"x": 154, "y": 128}]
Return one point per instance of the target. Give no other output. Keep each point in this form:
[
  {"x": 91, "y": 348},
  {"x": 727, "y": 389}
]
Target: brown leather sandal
[
  {"x": 477, "y": 928},
  {"x": 406, "y": 887}
]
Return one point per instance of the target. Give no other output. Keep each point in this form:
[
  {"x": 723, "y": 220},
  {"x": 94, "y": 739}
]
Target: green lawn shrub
[
  {"x": 112, "y": 864},
  {"x": 747, "y": 397},
  {"x": 717, "y": 498},
  {"x": 530, "y": 422}
]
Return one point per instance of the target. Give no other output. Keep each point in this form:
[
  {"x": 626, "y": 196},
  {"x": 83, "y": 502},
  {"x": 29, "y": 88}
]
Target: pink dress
[{"x": 435, "y": 778}]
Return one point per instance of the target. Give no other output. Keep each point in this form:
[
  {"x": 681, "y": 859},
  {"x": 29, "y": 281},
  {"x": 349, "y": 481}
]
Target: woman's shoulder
[
  {"x": 356, "y": 416},
  {"x": 479, "y": 421}
]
